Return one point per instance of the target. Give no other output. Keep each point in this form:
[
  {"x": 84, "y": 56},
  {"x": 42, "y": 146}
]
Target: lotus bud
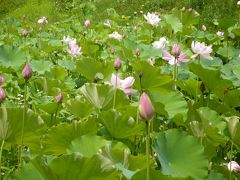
[
  {"x": 190, "y": 10},
  {"x": 140, "y": 73},
  {"x": 1, "y": 80},
  {"x": 87, "y": 23},
  {"x": 117, "y": 63},
  {"x": 238, "y": 3},
  {"x": 226, "y": 90},
  {"x": 2, "y": 95},
  {"x": 204, "y": 28},
  {"x": 176, "y": 50},
  {"x": 59, "y": 98},
  {"x": 137, "y": 52},
  {"x": 27, "y": 72},
  {"x": 145, "y": 108},
  {"x": 113, "y": 50},
  {"x": 25, "y": 32}
]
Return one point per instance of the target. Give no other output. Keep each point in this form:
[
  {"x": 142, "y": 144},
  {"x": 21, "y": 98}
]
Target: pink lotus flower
[
  {"x": 1, "y": 80},
  {"x": 152, "y": 18},
  {"x": 87, "y": 23},
  {"x": 202, "y": 50},
  {"x": 176, "y": 50},
  {"x": 27, "y": 72},
  {"x": 25, "y": 32},
  {"x": 43, "y": 20},
  {"x": 2, "y": 95},
  {"x": 117, "y": 63},
  {"x": 146, "y": 109},
  {"x": 137, "y": 52},
  {"x": 233, "y": 166},
  {"x": 124, "y": 84},
  {"x": 59, "y": 98},
  {"x": 177, "y": 57}
]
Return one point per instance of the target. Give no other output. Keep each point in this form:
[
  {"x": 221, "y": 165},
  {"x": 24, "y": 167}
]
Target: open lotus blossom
[
  {"x": 116, "y": 35},
  {"x": 233, "y": 166},
  {"x": 202, "y": 50},
  {"x": 220, "y": 34},
  {"x": 108, "y": 23},
  {"x": 152, "y": 18},
  {"x": 124, "y": 85},
  {"x": 177, "y": 57},
  {"x": 74, "y": 49},
  {"x": 43, "y": 20},
  {"x": 160, "y": 44}
]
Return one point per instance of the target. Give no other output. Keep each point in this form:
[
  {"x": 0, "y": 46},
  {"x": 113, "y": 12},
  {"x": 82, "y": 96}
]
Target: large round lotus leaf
[
  {"x": 180, "y": 155},
  {"x": 11, "y": 57}
]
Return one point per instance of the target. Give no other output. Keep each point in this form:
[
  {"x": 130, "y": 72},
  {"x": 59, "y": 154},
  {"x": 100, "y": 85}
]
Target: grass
[{"x": 55, "y": 9}]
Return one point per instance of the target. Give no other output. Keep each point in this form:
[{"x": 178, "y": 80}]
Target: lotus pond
[{"x": 151, "y": 96}]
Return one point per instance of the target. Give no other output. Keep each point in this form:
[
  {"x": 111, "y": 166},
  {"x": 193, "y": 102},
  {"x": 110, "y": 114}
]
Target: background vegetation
[{"x": 210, "y": 10}]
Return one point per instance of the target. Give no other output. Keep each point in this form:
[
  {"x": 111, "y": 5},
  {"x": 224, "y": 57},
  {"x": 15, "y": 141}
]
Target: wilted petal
[
  {"x": 167, "y": 56},
  {"x": 182, "y": 58}
]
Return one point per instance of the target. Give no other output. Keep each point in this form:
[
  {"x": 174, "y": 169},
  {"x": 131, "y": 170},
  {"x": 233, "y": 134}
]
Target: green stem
[
  {"x": 1, "y": 150},
  {"x": 147, "y": 149},
  {"x": 115, "y": 93},
  {"x": 199, "y": 58},
  {"x": 55, "y": 117},
  {"x": 230, "y": 172},
  {"x": 23, "y": 122},
  {"x": 175, "y": 74}
]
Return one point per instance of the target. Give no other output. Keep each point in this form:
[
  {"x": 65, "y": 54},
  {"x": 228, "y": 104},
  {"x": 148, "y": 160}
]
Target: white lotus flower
[
  {"x": 220, "y": 34},
  {"x": 124, "y": 85},
  {"x": 73, "y": 48},
  {"x": 116, "y": 35},
  {"x": 160, "y": 44},
  {"x": 238, "y": 3},
  {"x": 152, "y": 18},
  {"x": 69, "y": 40},
  {"x": 233, "y": 166},
  {"x": 202, "y": 50},
  {"x": 43, "y": 20},
  {"x": 108, "y": 23}
]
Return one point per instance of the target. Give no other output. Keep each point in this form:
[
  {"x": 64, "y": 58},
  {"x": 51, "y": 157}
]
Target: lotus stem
[
  {"x": 1, "y": 150},
  {"x": 175, "y": 71},
  {"x": 23, "y": 122},
  {"x": 147, "y": 148},
  {"x": 115, "y": 93},
  {"x": 56, "y": 112},
  {"x": 230, "y": 172}
]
